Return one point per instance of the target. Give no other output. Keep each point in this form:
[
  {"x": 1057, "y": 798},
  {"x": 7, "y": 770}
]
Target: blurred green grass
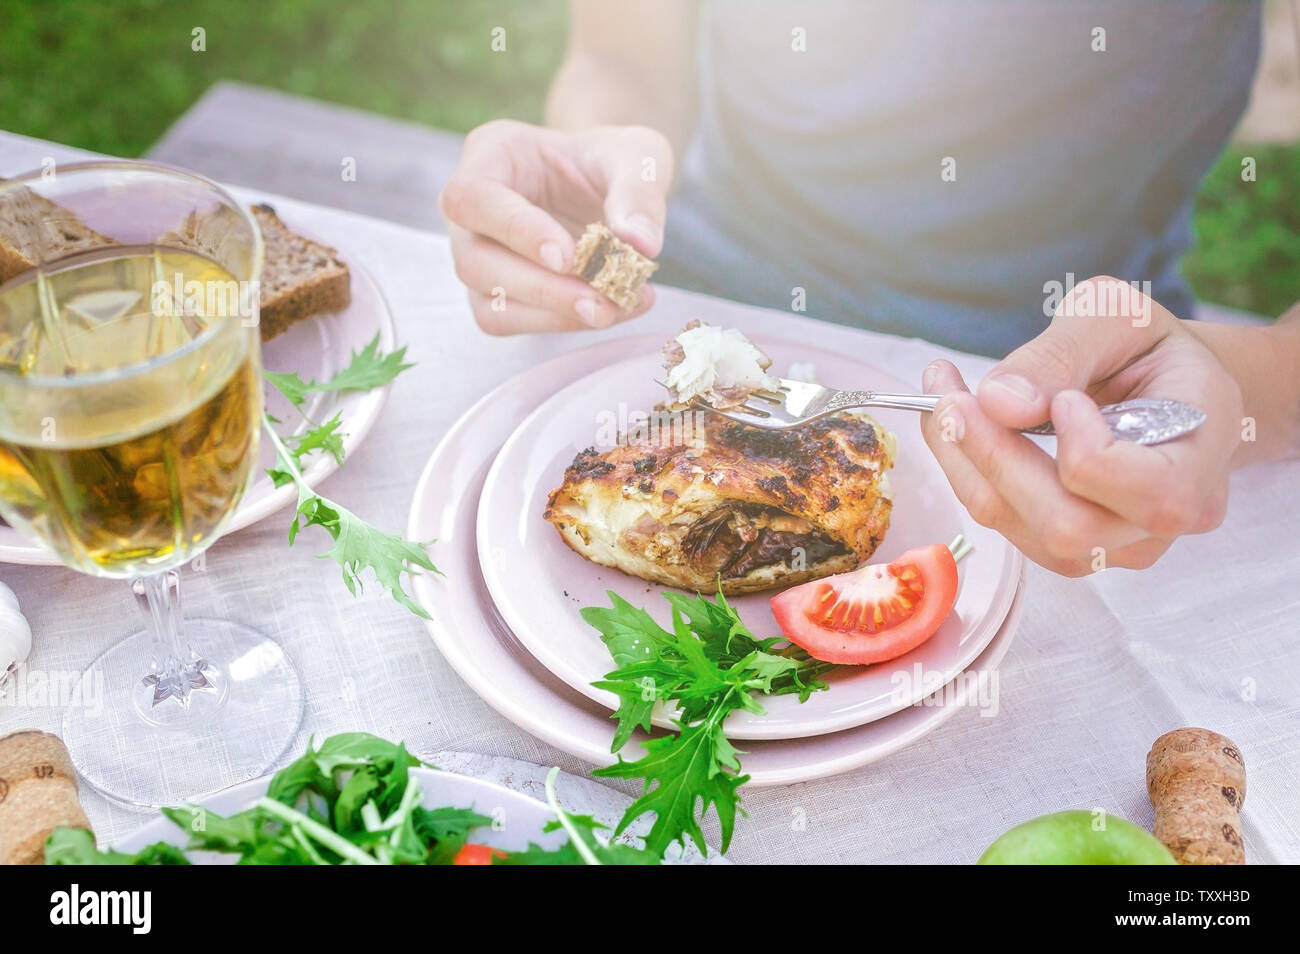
[
  {"x": 1247, "y": 251},
  {"x": 113, "y": 76}
]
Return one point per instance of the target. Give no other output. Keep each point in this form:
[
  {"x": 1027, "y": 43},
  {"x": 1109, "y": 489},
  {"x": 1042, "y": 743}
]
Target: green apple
[{"x": 1077, "y": 838}]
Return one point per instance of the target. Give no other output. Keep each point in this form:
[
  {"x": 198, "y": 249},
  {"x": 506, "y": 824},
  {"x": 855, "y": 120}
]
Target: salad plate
[
  {"x": 316, "y": 349},
  {"x": 475, "y": 640},
  {"x": 539, "y": 585}
]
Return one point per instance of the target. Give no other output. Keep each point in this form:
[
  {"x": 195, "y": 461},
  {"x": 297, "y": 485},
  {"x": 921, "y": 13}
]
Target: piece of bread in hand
[
  {"x": 611, "y": 266},
  {"x": 34, "y": 229}
]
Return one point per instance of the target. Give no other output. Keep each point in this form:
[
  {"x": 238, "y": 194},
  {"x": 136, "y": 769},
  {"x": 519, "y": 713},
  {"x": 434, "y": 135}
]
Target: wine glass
[{"x": 130, "y": 410}]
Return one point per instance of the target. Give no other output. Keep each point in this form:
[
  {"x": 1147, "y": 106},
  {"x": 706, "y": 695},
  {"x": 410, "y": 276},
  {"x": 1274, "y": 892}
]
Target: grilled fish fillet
[{"x": 758, "y": 508}]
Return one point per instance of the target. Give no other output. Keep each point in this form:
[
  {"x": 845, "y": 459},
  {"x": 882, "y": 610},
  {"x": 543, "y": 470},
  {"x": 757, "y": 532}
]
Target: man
[{"x": 931, "y": 168}]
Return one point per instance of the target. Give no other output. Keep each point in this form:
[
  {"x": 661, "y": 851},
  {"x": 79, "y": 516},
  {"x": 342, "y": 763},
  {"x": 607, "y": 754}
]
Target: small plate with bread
[{"x": 318, "y": 307}]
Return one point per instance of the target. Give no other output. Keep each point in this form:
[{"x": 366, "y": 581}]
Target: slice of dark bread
[
  {"x": 300, "y": 278},
  {"x": 34, "y": 229}
]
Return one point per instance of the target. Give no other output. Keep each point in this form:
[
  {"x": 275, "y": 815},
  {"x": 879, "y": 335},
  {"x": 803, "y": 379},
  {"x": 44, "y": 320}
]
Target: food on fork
[
  {"x": 756, "y": 508},
  {"x": 611, "y": 266},
  {"x": 717, "y": 366}
]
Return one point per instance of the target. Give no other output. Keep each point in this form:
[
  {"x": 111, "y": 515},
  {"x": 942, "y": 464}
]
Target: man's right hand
[{"x": 521, "y": 194}]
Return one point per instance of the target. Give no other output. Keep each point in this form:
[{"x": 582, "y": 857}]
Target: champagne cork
[
  {"x": 1197, "y": 782},
  {"x": 38, "y": 793}
]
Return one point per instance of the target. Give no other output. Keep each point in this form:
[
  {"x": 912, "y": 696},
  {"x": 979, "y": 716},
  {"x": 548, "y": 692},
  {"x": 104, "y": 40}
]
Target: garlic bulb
[{"x": 15, "y": 636}]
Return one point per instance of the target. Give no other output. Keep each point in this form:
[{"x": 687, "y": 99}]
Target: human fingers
[
  {"x": 1168, "y": 490},
  {"x": 491, "y": 208},
  {"x": 487, "y": 267},
  {"x": 637, "y": 167},
  {"x": 1098, "y": 329}
]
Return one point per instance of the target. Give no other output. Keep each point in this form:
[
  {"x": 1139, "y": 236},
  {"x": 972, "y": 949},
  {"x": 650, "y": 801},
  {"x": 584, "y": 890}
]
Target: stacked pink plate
[{"x": 515, "y": 634}]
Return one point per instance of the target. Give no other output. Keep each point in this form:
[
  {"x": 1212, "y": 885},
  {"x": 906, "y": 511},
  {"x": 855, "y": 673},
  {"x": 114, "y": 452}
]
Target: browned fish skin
[{"x": 734, "y": 505}]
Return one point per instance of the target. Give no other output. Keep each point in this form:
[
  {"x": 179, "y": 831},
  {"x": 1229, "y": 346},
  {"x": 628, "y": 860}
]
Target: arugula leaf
[
  {"x": 362, "y": 788},
  {"x": 316, "y": 767},
  {"x": 291, "y": 385},
  {"x": 211, "y": 831},
  {"x": 367, "y": 369},
  {"x": 630, "y": 634},
  {"x": 323, "y": 437},
  {"x": 358, "y": 546},
  {"x": 710, "y": 664},
  {"x": 583, "y": 847},
  {"x": 611, "y": 853},
  {"x": 76, "y": 846},
  {"x": 695, "y": 767},
  {"x": 449, "y": 828}
]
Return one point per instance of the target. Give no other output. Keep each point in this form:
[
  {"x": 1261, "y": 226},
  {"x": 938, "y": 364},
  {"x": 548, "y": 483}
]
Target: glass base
[{"x": 152, "y": 742}]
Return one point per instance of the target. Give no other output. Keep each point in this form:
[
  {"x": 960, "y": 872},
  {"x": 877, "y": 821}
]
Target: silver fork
[{"x": 1142, "y": 420}]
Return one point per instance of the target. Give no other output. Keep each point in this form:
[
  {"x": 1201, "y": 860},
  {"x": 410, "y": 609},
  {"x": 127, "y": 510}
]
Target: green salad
[{"x": 352, "y": 801}]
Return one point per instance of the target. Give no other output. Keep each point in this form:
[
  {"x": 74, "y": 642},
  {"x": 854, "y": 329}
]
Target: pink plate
[
  {"x": 539, "y": 584},
  {"x": 316, "y": 349},
  {"x": 473, "y": 638}
]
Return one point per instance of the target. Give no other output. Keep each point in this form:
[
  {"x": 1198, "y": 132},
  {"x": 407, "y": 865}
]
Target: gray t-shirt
[{"x": 1069, "y": 150}]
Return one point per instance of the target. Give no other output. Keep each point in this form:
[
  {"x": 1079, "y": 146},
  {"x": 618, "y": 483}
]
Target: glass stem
[
  {"x": 175, "y": 670},
  {"x": 162, "y": 591}
]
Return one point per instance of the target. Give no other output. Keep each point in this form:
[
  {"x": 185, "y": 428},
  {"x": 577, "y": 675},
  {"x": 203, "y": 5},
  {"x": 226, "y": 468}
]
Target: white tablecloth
[{"x": 1100, "y": 667}]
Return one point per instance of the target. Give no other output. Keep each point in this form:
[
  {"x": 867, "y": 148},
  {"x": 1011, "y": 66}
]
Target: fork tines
[{"x": 771, "y": 397}]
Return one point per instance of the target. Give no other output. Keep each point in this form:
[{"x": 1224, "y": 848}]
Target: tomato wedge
[
  {"x": 471, "y": 854},
  {"x": 873, "y": 613}
]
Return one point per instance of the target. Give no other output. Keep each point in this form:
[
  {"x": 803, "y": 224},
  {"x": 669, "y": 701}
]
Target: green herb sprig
[
  {"x": 358, "y": 545},
  {"x": 710, "y": 665},
  {"x": 583, "y": 847}
]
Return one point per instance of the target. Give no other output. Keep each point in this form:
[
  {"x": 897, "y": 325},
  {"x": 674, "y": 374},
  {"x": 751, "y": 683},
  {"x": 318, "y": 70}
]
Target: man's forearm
[
  {"x": 629, "y": 64},
  {"x": 591, "y": 89},
  {"x": 1265, "y": 361}
]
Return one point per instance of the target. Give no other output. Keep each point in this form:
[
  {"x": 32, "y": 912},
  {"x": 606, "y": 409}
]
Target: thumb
[
  {"x": 1099, "y": 330},
  {"x": 1018, "y": 391},
  {"x": 636, "y": 205},
  {"x": 635, "y": 212}
]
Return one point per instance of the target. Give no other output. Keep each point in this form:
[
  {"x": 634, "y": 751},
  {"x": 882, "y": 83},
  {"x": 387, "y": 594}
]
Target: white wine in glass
[{"x": 130, "y": 408}]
